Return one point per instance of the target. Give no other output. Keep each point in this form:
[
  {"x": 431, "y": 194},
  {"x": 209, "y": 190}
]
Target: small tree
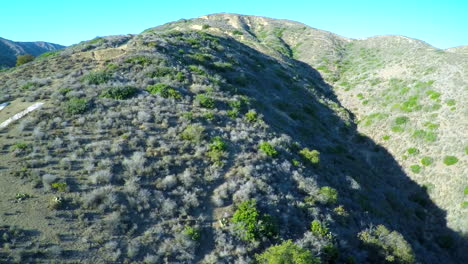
[
  {"x": 22, "y": 59},
  {"x": 251, "y": 224},
  {"x": 287, "y": 253}
]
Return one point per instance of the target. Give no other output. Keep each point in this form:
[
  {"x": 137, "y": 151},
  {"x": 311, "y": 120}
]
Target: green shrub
[
  {"x": 268, "y": 149},
  {"x": 192, "y": 232},
  {"x": 319, "y": 229},
  {"x": 415, "y": 168},
  {"x": 201, "y": 58},
  {"x": 159, "y": 72},
  {"x": 386, "y": 246},
  {"x": 331, "y": 254},
  {"x": 76, "y": 106},
  {"x": 286, "y": 253},
  {"x": 217, "y": 144},
  {"x": 450, "y": 160},
  {"x": 426, "y": 161},
  {"x": 341, "y": 211},
  {"x": 142, "y": 60},
  {"x": 112, "y": 67},
  {"x": 222, "y": 66},
  {"x": 251, "y": 116},
  {"x": 193, "y": 133},
  {"x": 233, "y": 113},
  {"x": 49, "y": 54},
  {"x": 237, "y": 32},
  {"x": 397, "y": 129},
  {"x": 431, "y": 126},
  {"x": 217, "y": 150},
  {"x": 386, "y": 137},
  {"x": 329, "y": 194},
  {"x": 23, "y": 59},
  {"x": 64, "y": 91},
  {"x": 413, "y": 151},
  {"x": 428, "y": 136},
  {"x": 401, "y": 120},
  {"x": 119, "y": 92},
  {"x": 197, "y": 70},
  {"x": 96, "y": 78},
  {"x": 163, "y": 90},
  {"x": 209, "y": 116},
  {"x": 433, "y": 94},
  {"x": 180, "y": 77},
  {"x": 466, "y": 190},
  {"x": 313, "y": 156},
  {"x": 237, "y": 106},
  {"x": 21, "y": 197},
  {"x": 206, "y": 26},
  {"x": 19, "y": 146},
  {"x": 451, "y": 102},
  {"x": 411, "y": 104},
  {"x": 250, "y": 223},
  {"x": 59, "y": 186},
  {"x": 205, "y": 101}
]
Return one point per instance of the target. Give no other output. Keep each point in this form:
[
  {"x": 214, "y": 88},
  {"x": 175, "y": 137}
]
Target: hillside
[
  {"x": 9, "y": 50},
  {"x": 406, "y": 95},
  {"x": 207, "y": 141}
]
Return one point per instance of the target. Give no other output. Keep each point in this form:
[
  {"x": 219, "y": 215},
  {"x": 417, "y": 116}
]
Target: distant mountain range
[{"x": 9, "y": 50}]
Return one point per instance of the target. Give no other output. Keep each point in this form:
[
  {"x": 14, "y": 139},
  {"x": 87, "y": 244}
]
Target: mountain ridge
[{"x": 9, "y": 50}]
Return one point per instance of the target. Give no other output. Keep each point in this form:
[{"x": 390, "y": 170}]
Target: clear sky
[{"x": 441, "y": 23}]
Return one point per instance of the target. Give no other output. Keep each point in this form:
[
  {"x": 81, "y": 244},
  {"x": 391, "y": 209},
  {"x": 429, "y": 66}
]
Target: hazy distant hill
[
  {"x": 9, "y": 50},
  {"x": 212, "y": 140}
]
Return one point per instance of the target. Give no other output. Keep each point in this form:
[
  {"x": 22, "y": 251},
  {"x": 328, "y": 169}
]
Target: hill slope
[
  {"x": 9, "y": 50},
  {"x": 405, "y": 94},
  {"x": 194, "y": 142}
]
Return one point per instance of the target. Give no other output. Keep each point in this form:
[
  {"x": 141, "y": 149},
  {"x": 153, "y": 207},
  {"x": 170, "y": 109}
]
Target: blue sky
[{"x": 441, "y": 23}]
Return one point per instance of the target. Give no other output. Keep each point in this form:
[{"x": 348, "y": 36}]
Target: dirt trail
[{"x": 20, "y": 114}]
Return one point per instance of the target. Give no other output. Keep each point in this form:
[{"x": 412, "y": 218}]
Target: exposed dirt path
[{"x": 21, "y": 114}]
